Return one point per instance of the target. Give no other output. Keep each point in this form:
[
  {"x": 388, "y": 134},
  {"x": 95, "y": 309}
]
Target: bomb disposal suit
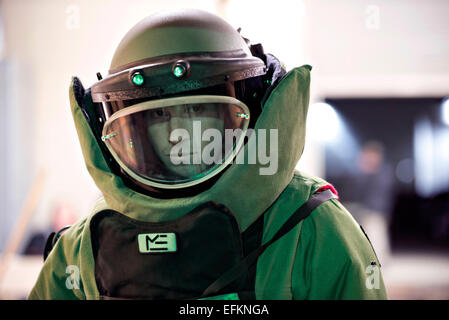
[{"x": 177, "y": 138}]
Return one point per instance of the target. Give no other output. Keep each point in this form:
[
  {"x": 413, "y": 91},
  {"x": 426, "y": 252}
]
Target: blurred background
[{"x": 378, "y": 121}]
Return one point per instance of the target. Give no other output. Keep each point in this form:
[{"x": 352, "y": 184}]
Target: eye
[
  {"x": 159, "y": 113},
  {"x": 196, "y": 108}
]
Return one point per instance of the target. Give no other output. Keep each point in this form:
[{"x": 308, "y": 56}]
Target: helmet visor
[{"x": 177, "y": 142}]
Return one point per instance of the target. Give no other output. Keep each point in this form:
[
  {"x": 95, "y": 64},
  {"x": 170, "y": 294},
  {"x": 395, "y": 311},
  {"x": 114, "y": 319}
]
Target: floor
[{"x": 417, "y": 276}]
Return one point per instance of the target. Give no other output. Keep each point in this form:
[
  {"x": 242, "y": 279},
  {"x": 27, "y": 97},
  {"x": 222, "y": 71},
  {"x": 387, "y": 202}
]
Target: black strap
[
  {"x": 51, "y": 241},
  {"x": 303, "y": 212},
  {"x": 48, "y": 245}
]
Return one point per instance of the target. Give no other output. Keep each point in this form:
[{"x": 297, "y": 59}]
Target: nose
[{"x": 173, "y": 141}]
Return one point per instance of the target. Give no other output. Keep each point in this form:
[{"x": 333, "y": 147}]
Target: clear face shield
[{"x": 177, "y": 142}]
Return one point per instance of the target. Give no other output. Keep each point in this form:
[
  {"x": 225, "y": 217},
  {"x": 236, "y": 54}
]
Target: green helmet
[{"x": 180, "y": 94}]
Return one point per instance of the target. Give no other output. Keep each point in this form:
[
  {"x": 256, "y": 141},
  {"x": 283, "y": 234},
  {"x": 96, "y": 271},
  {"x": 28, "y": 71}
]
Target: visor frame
[{"x": 168, "y": 102}]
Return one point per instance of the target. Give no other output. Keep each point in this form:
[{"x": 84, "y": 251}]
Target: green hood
[{"x": 241, "y": 188}]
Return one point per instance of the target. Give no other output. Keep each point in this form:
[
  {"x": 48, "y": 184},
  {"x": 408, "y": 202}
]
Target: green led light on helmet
[
  {"x": 138, "y": 79},
  {"x": 179, "y": 71},
  {"x": 242, "y": 115},
  {"x": 104, "y": 138}
]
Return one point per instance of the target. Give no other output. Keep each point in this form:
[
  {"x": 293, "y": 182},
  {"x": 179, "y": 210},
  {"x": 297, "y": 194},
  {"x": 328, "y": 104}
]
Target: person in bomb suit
[{"x": 185, "y": 216}]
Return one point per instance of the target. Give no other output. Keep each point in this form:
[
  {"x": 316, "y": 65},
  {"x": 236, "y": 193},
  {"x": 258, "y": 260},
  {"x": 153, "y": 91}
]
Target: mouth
[{"x": 182, "y": 156}]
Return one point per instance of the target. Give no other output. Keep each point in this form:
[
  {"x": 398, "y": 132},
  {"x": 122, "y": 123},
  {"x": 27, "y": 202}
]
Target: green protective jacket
[{"x": 326, "y": 256}]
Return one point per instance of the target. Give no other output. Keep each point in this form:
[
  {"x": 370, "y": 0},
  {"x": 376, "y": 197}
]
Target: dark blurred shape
[
  {"x": 36, "y": 244},
  {"x": 420, "y": 224}
]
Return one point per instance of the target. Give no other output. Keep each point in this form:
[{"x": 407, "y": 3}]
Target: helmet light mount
[
  {"x": 181, "y": 69},
  {"x": 137, "y": 78}
]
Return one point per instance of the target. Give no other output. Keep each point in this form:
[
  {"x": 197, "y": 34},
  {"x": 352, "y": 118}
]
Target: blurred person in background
[
  {"x": 372, "y": 192},
  {"x": 172, "y": 227}
]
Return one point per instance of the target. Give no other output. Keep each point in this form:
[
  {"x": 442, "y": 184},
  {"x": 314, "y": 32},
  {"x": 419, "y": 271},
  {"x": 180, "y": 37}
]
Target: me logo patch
[{"x": 156, "y": 242}]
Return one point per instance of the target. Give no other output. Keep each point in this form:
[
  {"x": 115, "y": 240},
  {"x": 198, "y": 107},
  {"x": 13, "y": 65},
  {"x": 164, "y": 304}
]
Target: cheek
[
  {"x": 212, "y": 123},
  {"x": 158, "y": 134}
]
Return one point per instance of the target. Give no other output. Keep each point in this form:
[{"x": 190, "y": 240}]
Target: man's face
[{"x": 186, "y": 117}]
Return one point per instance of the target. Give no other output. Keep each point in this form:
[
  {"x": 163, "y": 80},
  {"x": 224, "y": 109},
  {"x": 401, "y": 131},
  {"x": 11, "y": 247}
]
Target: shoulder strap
[
  {"x": 51, "y": 241},
  {"x": 303, "y": 212}
]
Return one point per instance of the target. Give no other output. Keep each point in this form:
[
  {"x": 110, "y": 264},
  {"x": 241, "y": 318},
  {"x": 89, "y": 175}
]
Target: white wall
[{"x": 379, "y": 47}]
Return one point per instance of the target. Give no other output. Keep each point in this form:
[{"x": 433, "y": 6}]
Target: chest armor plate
[{"x": 176, "y": 259}]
